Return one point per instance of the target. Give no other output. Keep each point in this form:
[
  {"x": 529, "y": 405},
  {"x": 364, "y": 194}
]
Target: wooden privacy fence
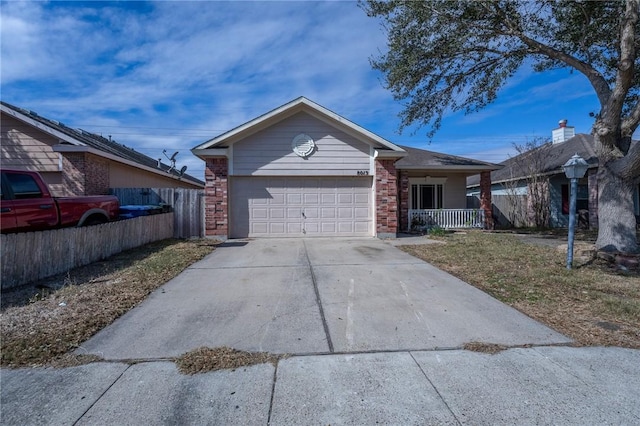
[
  {"x": 508, "y": 211},
  {"x": 30, "y": 256},
  {"x": 188, "y": 206}
]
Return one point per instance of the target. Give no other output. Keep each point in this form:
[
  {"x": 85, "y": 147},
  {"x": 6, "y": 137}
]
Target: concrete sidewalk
[{"x": 542, "y": 385}]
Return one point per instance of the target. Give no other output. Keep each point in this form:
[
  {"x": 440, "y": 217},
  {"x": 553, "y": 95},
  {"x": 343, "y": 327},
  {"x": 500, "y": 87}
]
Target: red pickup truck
[{"x": 27, "y": 205}]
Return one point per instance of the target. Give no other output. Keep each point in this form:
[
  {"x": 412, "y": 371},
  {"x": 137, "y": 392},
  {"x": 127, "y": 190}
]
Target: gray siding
[
  {"x": 269, "y": 153},
  {"x": 455, "y": 192}
]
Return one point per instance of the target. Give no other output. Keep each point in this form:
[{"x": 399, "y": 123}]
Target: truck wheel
[{"x": 95, "y": 220}]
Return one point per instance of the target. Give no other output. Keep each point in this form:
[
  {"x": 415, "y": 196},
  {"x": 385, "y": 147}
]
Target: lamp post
[{"x": 574, "y": 169}]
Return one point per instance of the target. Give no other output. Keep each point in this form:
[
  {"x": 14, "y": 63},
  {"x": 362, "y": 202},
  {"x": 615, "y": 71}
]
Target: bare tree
[{"x": 532, "y": 158}]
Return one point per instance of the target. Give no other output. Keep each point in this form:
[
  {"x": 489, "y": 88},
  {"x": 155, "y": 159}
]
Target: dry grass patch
[
  {"x": 204, "y": 359},
  {"x": 593, "y": 303},
  {"x": 40, "y": 328},
  {"x": 486, "y": 348}
]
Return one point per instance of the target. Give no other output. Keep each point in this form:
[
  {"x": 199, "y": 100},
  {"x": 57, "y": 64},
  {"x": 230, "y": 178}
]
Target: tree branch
[
  {"x": 630, "y": 124},
  {"x": 624, "y": 74},
  {"x": 596, "y": 79},
  {"x": 628, "y": 166}
]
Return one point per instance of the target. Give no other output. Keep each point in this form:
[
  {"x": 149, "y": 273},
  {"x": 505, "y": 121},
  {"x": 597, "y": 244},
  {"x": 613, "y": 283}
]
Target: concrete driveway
[{"x": 313, "y": 296}]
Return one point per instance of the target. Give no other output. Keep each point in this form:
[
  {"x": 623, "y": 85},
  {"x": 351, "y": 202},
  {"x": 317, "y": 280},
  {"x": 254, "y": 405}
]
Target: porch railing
[{"x": 446, "y": 219}]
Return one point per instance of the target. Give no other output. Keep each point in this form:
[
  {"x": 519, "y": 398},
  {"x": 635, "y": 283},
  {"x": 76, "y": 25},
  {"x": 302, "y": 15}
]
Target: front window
[
  {"x": 426, "y": 196},
  {"x": 582, "y": 198}
]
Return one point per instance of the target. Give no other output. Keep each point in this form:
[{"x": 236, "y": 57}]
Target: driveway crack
[{"x": 318, "y": 301}]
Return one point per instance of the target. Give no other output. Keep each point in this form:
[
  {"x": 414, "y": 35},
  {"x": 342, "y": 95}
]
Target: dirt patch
[
  {"x": 42, "y": 322},
  {"x": 486, "y": 348},
  {"x": 204, "y": 359}
]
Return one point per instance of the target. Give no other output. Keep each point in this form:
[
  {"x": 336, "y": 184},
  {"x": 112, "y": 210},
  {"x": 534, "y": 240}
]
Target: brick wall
[
  {"x": 84, "y": 174},
  {"x": 404, "y": 201},
  {"x": 386, "y": 198},
  {"x": 96, "y": 176},
  {"x": 485, "y": 198},
  {"x": 73, "y": 173},
  {"x": 216, "y": 197}
]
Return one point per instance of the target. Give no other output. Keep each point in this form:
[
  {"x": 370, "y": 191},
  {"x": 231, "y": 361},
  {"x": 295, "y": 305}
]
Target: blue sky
[{"x": 171, "y": 75}]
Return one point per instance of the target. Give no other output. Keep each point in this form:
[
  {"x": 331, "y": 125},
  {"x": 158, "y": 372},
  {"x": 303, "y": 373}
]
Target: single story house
[
  {"x": 75, "y": 162},
  {"x": 546, "y": 162},
  {"x": 303, "y": 170}
]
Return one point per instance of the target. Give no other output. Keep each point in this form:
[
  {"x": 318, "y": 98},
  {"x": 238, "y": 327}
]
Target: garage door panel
[
  {"x": 277, "y": 227},
  {"x": 344, "y": 213},
  {"x": 311, "y": 199},
  {"x": 362, "y": 199},
  {"x": 328, "y": 213},
  {"x": 259, "y": 228},
  {"x": 260, "y": 213},
  {"x": 277, "y": 213},
  {"x": 294, "y": 228},
  {"x": 294, "y": 213},
  {"x": 345, "y": 199},
  {"x": 361, "y": 227},
  {"x": 329, "y": 199},
  {"x": 276, "y": 199},
  {"x": 328, "y": 228},
  {"x": 311, "y": 213},
  {"x": 274, "y": 207},
  {"x": 294, "y": 199}
]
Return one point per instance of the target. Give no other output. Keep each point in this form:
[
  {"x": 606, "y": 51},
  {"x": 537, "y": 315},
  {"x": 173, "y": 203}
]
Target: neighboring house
[
  {"x": 76, "y": 162},
  {"x": 303, "y": 170},
  {"x": 513, "y": 179}
]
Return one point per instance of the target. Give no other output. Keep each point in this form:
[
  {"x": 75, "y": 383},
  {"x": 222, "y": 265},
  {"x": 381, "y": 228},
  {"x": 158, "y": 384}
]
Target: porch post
[
  {"x": 386, "y": 199},
  {"x": 404, "y": 201},
  {"x": 485, "y": 199}
]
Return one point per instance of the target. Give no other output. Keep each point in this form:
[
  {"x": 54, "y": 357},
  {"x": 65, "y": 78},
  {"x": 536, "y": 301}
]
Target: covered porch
[{"x": 432, "y": 192}]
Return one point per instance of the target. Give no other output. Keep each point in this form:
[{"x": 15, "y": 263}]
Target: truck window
[{"x": 23, "y": 186}]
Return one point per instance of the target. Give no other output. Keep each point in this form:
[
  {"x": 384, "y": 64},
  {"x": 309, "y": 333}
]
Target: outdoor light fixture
[{"x": 574, "y": 169}]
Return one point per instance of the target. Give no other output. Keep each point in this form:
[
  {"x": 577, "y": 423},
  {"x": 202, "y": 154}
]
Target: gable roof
[
  {"x": 82, "y": 138},
  {"x": 554, "y": 157},
  {"x": 300, "y": 104},
  {"x": 423, "y": 159}
]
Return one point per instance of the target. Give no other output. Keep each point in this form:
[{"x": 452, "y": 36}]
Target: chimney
[{"x": 563, "y": 132}]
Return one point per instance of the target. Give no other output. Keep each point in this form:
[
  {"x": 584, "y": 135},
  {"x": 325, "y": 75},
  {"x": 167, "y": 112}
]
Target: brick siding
[
  {"x": 216, "y": 197},
  {"x": 386, "y": 197},
  {"x": 404, "y": 201},
  {"x": 73, "y": 173},
  {"x": 84, "y": 174},
  {"x": 485, "y": 198},
  {"x": 96, "y": 176}
]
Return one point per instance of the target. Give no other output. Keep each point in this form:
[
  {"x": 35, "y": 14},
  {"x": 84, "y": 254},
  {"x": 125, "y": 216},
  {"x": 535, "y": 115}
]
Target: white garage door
[{"x": 301, "y": 207}]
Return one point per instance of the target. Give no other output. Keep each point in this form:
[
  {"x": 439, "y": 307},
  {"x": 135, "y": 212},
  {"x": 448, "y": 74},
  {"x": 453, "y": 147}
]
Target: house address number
[{"x": 362, "y": 172}]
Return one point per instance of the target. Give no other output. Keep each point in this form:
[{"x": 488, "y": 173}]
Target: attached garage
[
  {"x": 300, "y": 171},
  {"x": 301, "y": 206}
]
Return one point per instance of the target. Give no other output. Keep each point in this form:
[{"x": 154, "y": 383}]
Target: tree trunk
[{"x": 616, "y": 219}]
